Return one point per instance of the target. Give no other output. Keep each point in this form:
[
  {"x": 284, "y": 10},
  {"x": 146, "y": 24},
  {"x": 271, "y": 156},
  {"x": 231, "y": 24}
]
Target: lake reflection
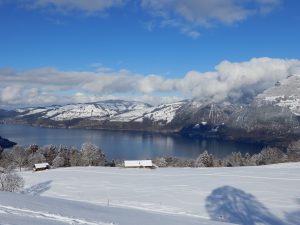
[{"x": 123, "y": 144}]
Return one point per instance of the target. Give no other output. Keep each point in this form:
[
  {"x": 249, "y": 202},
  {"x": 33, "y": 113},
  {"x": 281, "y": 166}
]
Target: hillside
[
  {"x": 111, "y": 114},
  {"x": 18, "y": 209},
  {"x": 5, "y": 143},
  {"x": 240, "y": 195},
  {"x": 285, "y": 93},
  {"x": 272, "y": 116}
]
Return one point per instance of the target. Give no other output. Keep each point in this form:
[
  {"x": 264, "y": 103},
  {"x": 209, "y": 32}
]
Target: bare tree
[
  {"x": 6, "y": 160},
  {"x": 205, "y": 160},
  {"x": 257, "y": 159},
  {"x": 59, "y": 161},
  {"x": 235, "y": 159},
  {"x": 50, "y": 152},
  {"x": 32, "y": 149},
  {"x": 35, "y": 157},
  {"x": 293, "y": 151},
  {"x": 160, "y": 162},
  {"x": 10, "y": 181},
  {"x": 92, "y": 155},
  {"x": 272, "y": 155},
  {"x": 75, "y": 158},
  {"x": 19, "y": 156},
  {"x": 247, "y": 160}
]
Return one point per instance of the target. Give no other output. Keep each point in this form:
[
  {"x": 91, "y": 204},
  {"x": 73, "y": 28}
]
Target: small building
[
  {"x": 41, "y": 166},
  {"x": 138, "y": 164}
]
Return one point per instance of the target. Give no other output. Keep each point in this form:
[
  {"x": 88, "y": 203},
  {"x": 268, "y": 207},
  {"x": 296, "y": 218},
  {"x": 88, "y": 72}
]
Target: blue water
[{"x": 124, "y": 144}]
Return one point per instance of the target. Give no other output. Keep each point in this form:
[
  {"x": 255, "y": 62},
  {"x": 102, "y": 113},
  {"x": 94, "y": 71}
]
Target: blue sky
[{"x": 166, "y": 39}]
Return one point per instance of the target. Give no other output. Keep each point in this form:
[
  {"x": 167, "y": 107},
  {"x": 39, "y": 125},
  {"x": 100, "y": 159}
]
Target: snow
[
  {"x": 117, "y": 111},
  {"x": 286, "y": 94},
  {"x": 138, "y": 163},
  {"x": 266, "y": 194},
  {"x": 99, "y": 110},
  {"x": 274, "y": 98},
  {"x": 73, "y": 111},
  {"x": 165, "y": 112},
  {"x": 41, "y": 165},
  {"x": 18, "y": 209},
  {"x": 35, "y": 111},
  {"x": 135, "y": 115},
  {"x": 291, "y": 165}
]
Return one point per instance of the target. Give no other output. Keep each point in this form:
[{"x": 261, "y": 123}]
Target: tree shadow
[
  {"x": 294, "y": 217},
  {"x": 229, "y": 204},
  {"x": 38, "y": 189}
]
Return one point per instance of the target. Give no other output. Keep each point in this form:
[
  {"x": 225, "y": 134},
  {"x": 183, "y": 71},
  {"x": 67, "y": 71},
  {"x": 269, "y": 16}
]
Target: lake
[{"x": 125, "y": 144}]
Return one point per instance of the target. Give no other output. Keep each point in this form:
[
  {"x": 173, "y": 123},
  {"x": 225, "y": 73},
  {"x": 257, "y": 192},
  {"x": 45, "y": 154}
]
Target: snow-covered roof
[
  {"x": 138, "y": 163},
  {"x": 41, "y": 165}
]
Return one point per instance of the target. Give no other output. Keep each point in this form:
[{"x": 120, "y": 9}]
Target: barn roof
[
  {"x": 41, "y": 165},
  {"x": 138, "y": 163}
]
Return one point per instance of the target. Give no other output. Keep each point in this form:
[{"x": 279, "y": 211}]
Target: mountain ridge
[{"x": 272, "y": 115}]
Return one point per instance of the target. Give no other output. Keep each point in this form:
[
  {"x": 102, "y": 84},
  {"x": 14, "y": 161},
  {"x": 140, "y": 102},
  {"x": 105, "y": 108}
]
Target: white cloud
[
  {"x": 153, "y": 100},
  {"x": 87, "y": 6},
  {"x": 189, "y": 15},
  {"x": 10, "y": 93},
  {"x": 237, "y": 80},
  {"x": 186, "y": 15},
  {"x": 17, "y": 95},
  {"x": 229, "y": 80}
]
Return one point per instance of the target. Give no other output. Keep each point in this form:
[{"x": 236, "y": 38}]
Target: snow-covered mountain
[
  {"x": 111, "y": 110},
  {"x": 285, "y": 93},
  {"x": 273, "y": 114}
]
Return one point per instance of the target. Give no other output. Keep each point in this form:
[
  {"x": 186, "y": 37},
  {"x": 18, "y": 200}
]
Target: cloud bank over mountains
[{"x": 229, "y": 80}]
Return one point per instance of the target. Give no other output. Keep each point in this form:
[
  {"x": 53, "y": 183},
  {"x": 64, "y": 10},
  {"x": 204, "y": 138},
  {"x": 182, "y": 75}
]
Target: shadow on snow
[
  {"x": 229, "y": 204},
  {"x": 294, "y": 217},
  {"x": 38, "y": 189}
]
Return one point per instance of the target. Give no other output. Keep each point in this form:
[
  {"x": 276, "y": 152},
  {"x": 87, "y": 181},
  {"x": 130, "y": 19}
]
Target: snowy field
[{"x": 241, "y": 195}]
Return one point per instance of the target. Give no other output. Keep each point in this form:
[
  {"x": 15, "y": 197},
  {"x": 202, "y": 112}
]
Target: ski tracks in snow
[{"x": 47, "y": 216}]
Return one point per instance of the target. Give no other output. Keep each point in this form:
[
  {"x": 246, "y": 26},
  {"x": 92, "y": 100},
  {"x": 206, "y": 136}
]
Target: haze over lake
[{"x": 123, "y": 144}]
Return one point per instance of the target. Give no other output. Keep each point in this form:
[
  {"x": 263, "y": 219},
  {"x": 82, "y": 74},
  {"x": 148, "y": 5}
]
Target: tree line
[
  {"x": 268, "y": 155},
  {"x": 91, "y": 155},
  {"x": 57, "y": 156}
]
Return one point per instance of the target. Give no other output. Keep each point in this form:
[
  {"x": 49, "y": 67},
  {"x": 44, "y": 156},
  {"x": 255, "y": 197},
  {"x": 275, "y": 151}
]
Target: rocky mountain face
[{"x": 274, "y": 115}]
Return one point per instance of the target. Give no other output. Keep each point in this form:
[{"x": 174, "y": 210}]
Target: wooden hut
[
  {"x": 138, "y": 164},
  {"x": 41, "y": 166}
]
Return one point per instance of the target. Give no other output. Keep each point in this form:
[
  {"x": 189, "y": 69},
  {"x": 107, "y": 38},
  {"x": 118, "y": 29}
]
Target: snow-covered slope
[
  {"x": 113, "y": 110},
  {"x": 285, "y": 93},
  {"x": 100, "y": 110},
  {"x": 164, "y": 112},
  {"x": 18, "y": 209},
  {"x": 244, "y": 195}
]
